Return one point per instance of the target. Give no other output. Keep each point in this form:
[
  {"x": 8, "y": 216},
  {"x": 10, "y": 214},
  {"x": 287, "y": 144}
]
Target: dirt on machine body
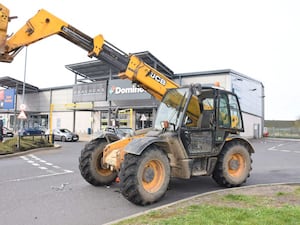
[{"x": 195, "y": 133}]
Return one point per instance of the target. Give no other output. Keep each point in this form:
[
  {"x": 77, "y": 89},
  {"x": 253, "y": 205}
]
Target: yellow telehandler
[{"x": 195, "y": 133}]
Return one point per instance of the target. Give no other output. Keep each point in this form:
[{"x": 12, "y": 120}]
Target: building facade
[
  {"x": 99, "y": 98},
  {"x": 89, "y": 108}
]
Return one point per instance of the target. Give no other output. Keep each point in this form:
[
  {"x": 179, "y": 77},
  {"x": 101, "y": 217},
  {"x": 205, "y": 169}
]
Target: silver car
[
  {"x": 7, "y": 132},
  {"x": 63, "y": 134},
  {"x": 121, "y": 132}
]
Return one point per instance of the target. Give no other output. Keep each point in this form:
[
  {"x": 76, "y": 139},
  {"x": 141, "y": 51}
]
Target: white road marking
[
  {"x": 31, "y": 159},
  {"x": 38, "y": 163},
  {"x": 284, "y": 150},
  {"x": 43, "y": 168},
  {"x": 35, "y": 177},
  {"x": 275, "y": 148}
]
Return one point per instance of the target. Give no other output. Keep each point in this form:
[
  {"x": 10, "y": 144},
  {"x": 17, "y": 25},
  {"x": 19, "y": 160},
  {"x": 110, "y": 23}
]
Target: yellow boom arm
[{"x": 44, "y": 24}]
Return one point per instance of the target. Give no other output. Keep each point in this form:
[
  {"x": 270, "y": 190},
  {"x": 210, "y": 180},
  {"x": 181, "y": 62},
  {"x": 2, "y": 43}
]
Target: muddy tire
[
  {"x": 90, "y": 164},
  {"x": 233, "y": 166},
  {"x": 144, "y": 178}
]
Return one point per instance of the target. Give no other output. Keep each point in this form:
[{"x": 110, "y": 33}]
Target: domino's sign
[{"x": 125, "y": 90}]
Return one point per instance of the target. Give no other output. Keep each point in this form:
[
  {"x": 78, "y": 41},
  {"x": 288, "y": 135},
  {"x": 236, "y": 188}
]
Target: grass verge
[
  {"x": 264, "y": 205},
  {"x": 26, "y": 143}
]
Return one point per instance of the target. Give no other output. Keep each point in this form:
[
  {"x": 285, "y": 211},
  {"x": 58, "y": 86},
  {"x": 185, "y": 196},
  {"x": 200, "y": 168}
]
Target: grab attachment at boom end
[{"x": 4, "y": 19}]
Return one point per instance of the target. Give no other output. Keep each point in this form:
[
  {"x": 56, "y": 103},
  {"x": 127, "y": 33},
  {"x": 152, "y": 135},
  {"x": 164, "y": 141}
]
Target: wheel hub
[
  {"x": 153, "y": 176},
  {"x": 234, "y": 164},
  {"x": 148, "y": 175}
]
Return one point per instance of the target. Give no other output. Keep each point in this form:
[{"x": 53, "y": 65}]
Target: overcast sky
[{"x": 258, "y": 38}]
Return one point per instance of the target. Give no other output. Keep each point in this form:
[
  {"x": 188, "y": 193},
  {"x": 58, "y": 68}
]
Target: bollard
[{"x": 1, "y": 130}]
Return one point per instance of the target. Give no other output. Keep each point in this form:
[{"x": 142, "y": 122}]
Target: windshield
[
  {"x": 65, "y": 131},
  {"x": 123, "y": 131},
  {"x": 171, "y": 108}
]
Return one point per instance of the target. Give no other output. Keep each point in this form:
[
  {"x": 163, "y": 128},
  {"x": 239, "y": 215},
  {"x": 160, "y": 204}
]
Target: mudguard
[
  {"x": 137, "y": 146},
  {"x": 244, "y": 140},
  {"x": 109, "y": 137}
]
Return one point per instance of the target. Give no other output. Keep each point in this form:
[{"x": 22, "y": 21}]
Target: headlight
[{"x": 164, "y": 124}]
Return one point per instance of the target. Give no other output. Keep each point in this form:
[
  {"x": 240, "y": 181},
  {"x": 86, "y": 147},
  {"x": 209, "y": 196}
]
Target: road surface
[{"x": 46, "y": 188}]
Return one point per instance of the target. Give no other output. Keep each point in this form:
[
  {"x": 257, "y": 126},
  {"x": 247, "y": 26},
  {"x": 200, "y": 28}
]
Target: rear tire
[
  {"x": 233, "y": 166},
  {"x": 144, "y": 178},
  {"x": 90, "y": 164}
]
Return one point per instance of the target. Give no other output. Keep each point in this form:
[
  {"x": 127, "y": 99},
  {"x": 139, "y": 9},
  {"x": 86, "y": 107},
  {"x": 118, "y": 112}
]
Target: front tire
[
  {"x": 90, "y": 164},
  {"x": 145, "y": 178},
  {"x": 233, "y": 166}
]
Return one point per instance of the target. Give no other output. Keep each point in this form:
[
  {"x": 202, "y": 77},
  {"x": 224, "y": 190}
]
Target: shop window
[
  {"x": 144, "y": 119},
  {"x": 103, "y": 119}
]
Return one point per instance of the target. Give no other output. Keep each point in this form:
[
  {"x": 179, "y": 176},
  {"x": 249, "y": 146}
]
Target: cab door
[
  {"x": 228, "y": 115},
  {"x": 199, "y": 140}
]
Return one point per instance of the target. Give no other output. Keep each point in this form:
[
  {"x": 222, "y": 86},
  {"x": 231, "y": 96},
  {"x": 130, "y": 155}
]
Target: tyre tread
[
  {"x": 128, "y": 176},
  {"x": 218, "y": 174},
  {"x": 85, "y": 161}
]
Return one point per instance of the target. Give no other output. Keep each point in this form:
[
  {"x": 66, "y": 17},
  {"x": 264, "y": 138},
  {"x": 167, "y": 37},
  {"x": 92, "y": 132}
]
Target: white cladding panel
[
  {"x": 31, "y": 101},
  {"x": 223, "y": 79},
  {"x": 39, "y": 102},
  {"x": 83, "y": 121},
  {"x": 62, "y": 96},
  {"x": 44, "y": 101},
  {"x": 252, "y": 124},
  {"x": 250, "y": 93},
  {"x": 62, "y": 120}
]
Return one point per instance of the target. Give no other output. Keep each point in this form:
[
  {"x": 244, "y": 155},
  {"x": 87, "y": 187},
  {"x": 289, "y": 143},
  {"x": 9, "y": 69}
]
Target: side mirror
[{"x": 197, "y": 89}]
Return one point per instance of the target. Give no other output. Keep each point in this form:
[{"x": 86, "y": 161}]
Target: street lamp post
[
  {"x": 23, "y": 99},
  {"x": 24, "y": 82}
]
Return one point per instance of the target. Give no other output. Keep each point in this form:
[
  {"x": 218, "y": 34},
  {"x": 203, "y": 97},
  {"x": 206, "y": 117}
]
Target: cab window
[
  {"x": 236, "y": 120},
  {"x": 229, "y": 112},
  {"x": 224, "y": 114}
]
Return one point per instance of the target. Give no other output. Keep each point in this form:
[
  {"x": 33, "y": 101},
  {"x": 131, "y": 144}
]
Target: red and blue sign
[{"x": 7, "y": 99}]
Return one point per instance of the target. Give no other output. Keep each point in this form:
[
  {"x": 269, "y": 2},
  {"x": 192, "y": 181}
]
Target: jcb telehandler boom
[
  {"x": 195, "y": 133},
  {"x": 44, "y": 25}
]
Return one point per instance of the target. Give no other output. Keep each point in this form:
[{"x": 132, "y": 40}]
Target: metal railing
[{"x": 291, "y": 132}]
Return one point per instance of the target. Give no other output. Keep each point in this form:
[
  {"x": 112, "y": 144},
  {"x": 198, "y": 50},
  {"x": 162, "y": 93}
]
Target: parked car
[
  {"x": 266, "y": 132},
  {"x": 121, "y": 132},
  {"x": 63, "y": 134},
  {"x": 32, "y": 131},
  {"x": 7, "y": 132}
]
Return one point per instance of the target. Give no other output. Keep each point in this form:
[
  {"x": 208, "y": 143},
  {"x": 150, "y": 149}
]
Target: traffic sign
[
  {"x": 22, "y": 107},
  {"x": 22, "y": 115},
  {"x": 143, "y": 117}
]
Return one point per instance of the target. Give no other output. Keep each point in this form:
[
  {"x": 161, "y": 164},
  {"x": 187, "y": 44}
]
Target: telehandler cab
[{"x": 195, "y": 133}]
